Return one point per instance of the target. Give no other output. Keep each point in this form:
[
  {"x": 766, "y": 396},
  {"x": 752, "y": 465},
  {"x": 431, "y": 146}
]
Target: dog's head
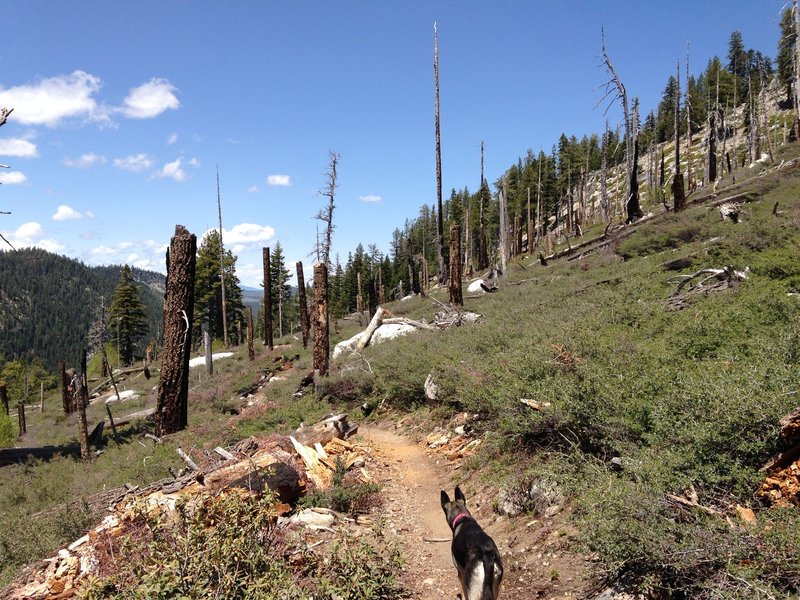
[{"x": 453, "y": 508}]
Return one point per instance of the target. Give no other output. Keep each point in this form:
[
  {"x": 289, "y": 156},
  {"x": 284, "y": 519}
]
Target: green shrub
[{"x": 6, "y": 431}]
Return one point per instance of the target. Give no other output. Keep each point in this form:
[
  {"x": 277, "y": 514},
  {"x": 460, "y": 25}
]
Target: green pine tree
[
  {"x": 785, "y": 57},
  {"x": 208, "y": 289},
  {"x": 127, "y": 316}
]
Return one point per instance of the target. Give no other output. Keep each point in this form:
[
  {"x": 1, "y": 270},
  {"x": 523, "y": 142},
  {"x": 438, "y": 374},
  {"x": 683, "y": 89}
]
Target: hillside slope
[{"x": 48, "y": 302}]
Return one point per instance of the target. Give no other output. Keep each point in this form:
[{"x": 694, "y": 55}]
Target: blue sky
[{"x": 124, "y": 110}]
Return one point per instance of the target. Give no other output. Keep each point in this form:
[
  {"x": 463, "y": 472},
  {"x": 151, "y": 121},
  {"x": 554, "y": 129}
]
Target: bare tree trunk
[
  {"x": 66, "y": 401},
  {"x": 421, "y": 286},
  {"x": 83, "y": 402},
  {"x": 678, "y": 192},
  {"x": 690, "y": 178},
  {"x": 173, "y": 386},
  {"x": 4, "y": 395},
  {"x": 222, "y": 270},
  {"x": 530, "y": 225},
  {"x": 208, "y": 354},
  {"x": 712, "y": 147},
  {"x": 321, "y": 346},
  {"x": 268, "y": 342},
  {"x": 439, "y": 216},
  {"x": 604, "y": 176},
  {"x": 615, "y": 88},
  {"x": 456, "y": 296},
  {"x": 326, "y": 214},
  {"x": 41, "y": 396},
  {"x": 382, "y": 289},
  {"x": 301, "y": 292},
  {"x": 251, "y": 355},
  {"x": 23, "y": 427},
  {"x": 633, "y": 186},
  {"x": 483, "y": 255},
  {"x": 467, "y": 243},
  {"x": 360, "y": 296},
  {"x": 503, "y": 229}
]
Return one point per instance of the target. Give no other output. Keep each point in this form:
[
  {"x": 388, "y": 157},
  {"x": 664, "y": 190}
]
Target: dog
[{"x": 474, "y": 553}]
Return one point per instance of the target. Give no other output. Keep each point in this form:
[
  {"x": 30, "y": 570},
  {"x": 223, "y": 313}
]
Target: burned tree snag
[
  {"x": 66, "y": 398},
  {"x": 678, "y": 192},
  {"x": 301, "y": 297},
  {"x": 83, "y": 402},
  {"x": 267, "y": 300},
  {"x": 320, "y": 318},
  {"x": 4, "y": 395},
  {"x": 503, "y": 228},
  {"x": 530, "y": 225},
  {"x": 456, "y": 296},
  {"x": 439, "y": 218},
  {"x": 251, "y": 355},
  {"x": 173, "y": 386},
  {"x": 222, "y": 270},
  {"x": 23, "y": 428},
  {"x": 634, "y": 211},
  {"x": 712, "y": 148}
]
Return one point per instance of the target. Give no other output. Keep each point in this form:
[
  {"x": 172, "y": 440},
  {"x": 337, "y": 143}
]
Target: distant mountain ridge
[{"x": 48, "y": 302}]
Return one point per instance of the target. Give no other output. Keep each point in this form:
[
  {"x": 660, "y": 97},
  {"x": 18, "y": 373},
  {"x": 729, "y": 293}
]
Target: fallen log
[{"x": 373, "y": 325}]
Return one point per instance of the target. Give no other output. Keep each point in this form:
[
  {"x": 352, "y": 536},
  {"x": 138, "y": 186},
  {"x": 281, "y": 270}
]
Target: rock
[
  {"x": 475, "y": 286},
  {"x": 312, "y": 519}
]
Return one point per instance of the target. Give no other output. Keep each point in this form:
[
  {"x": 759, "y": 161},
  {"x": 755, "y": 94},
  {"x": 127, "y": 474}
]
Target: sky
[{"x": 124, "y": 111}]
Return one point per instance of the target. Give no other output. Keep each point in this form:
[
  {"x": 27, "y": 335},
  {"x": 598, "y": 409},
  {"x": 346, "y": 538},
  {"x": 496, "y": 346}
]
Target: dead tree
[
  {"x": 66, "y": 397},
  {"x": 503, "y": 228},
  {"x": 251, "y": 355},
  {"x": 222, "y": 270},
  {"x": 712, "y": 147},
  {"x": 301, "y": 297},
  {"x": 530, "y": 224},
  {"x": 326, "y": 213},
  {"x": 690, "y": 178},
  {"x": 83, "y": 402},
  {"x": 604, "y": 176},
  {"x": 678, "y": 192},
  {"x": 23, "y": 427},
  {"x": 456, "y": 296},
  {"x": 4, "y": 396},
  {"x": 616, "y": 91},
  {"x": 439, "y": 217},
  {"x": 208, "y": 354},
  {"x": 173, "y": 386},
  {"x": 320, "y": 318},
  {"x": 483, "y": 255},
  {"x": 268, "y": 341}
]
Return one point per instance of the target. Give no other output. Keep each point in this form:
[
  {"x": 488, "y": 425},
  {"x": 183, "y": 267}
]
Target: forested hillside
[{"x": 49, "y": 302}]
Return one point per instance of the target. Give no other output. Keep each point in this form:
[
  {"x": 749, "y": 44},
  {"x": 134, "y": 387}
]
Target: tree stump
[
  {"x": 320, "y": 316},
  {"x": 173, "y": 386}
]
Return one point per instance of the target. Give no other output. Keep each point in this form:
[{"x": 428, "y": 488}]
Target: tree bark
[
  {"x": 209, "y": 358},
  {"x": 301, "y": 296},
  {"x": 66, "y": 399},
  {"x": 321, "y": 345},
  {"x": 503, "y": 229},
  {"x": 634, "y": 212},
  {"x": 4, "y": 395},
  {"x": 23, "y": 428},
  {"x": 678, "y": 191},
  {"x": 251, "y": 355},
  {"x": 456, "y": 295},
  {"x": 439, "y": 217},
  {"x": 173, "y": 385},
  {"x": 83, "y": 402},
  {"x": 268, "y": 341},
  {"x": 530, "y": 224}
]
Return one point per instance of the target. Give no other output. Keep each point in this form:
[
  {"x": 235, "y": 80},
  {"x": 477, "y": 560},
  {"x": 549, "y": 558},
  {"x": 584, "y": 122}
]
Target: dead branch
[{"x": 729, "y": 274}]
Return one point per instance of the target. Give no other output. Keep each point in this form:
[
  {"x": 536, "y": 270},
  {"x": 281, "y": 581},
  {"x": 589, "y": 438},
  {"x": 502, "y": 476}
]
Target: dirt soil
[{"x": 536, "y": 553}]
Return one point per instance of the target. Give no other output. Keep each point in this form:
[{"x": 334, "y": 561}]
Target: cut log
[{"x": 187, "y": 459}]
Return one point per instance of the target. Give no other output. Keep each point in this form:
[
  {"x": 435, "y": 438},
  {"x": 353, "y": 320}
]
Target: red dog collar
[{"x": 459, "y": 517}]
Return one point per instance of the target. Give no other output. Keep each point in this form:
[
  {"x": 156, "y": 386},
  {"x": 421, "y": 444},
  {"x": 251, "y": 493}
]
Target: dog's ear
[
  {"x": 444, "y": 498},
  {"x": 460, "y": 494}
]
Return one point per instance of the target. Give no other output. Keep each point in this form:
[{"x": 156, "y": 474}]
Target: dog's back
[{"x": 474, "y": 553}]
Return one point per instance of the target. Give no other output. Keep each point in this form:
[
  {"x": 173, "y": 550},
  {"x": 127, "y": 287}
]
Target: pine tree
[
  {"x": 208, "y": 289},
  {"x": 127, "y": 317},
  {"x": 785, "y": 58},
  {"x": 282, "y": 313}
]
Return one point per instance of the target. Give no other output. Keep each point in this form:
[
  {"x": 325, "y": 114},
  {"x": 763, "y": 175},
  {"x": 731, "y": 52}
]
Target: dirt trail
[{"x": 411, "y": 485}]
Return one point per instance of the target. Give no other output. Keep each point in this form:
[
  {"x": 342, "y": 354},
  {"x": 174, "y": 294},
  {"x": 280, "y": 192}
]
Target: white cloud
[
  {"x": 150, "y": 99},
  {"x": 134, "y": 162},
  {"x": 66, "y": 213},
  {"x": 89, "y": 214},
  {"x": 371, "y": 198},
  {"x": 85, "y": 161},
  {"x": 245, "y": 235},
  {"x": 173, "y": 171},
  {"x": 253, "y": 189},
  {"x": 193, "y": 162},
  {"x": 280, "y": 180},
  {"x": 18, "y": 147},
  {"x": 12, "y": 177},
  {"x": 31, "y": 234},
  {"x": 103, "y": 251},
  {"x": 54, "y": 99},
  {"x": 173, "y": 137}
]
